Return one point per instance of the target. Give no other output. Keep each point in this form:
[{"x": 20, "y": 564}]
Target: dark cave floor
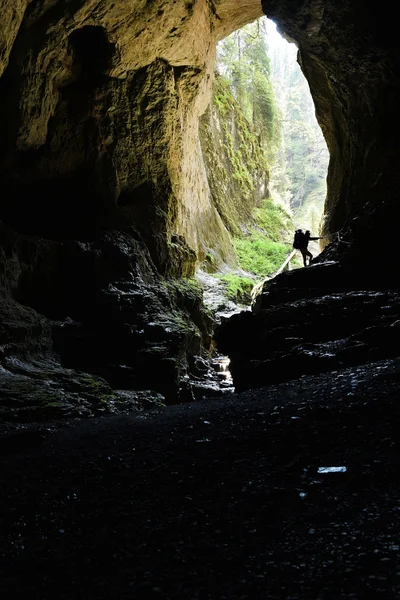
[{"x": 218, "y": 499}]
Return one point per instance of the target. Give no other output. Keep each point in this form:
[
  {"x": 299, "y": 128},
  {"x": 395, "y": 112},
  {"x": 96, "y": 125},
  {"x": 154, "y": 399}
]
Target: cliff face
[{"x": 237, "y": 170}]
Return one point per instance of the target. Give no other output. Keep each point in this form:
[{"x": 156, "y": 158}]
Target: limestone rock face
[
  {"x": 104, "y": 193},
  {"x": 228, "y": 140},
  {"x": 100, "y": 105}
]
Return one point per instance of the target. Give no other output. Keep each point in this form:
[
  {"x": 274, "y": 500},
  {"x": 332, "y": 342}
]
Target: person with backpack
[{"x": 300, "y": 242}]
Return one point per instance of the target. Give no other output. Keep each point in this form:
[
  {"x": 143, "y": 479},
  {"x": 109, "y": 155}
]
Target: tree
[{"x": 243, "y": 59}]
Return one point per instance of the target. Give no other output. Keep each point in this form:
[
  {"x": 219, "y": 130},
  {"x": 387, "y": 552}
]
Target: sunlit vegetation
[
  {"x": 298, "y": 175},
  {"x": 259, "y": 82},
  {"x": 242, "y": 59},
  {"x": 238, "y": 288},
  {"x": 262, "y": 251}
]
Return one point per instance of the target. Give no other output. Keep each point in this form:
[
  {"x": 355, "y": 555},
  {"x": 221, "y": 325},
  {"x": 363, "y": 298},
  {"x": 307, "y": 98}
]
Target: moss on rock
[{"x": 236, "y": 166}]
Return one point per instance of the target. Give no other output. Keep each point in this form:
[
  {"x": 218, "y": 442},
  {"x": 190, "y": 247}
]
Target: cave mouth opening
[
  {"x": 299, "y": 171},
  {"x": 262, "y": 71}
]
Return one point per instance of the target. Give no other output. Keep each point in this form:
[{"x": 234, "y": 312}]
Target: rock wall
[
  {"x": 237, "y": 170},
  {"x": 100, "y": 106},
  {"x": 308, "y": 321},
  {"x": 105, "y": 203}
]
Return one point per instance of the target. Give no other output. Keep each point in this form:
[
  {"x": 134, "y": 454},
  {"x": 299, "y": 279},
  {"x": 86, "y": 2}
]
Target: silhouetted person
[{"x": 300, "y": 242}]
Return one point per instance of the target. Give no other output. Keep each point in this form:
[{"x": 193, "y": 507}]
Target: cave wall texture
[
  {"x": 102, "y": 179},
  {"x": 228, "y": 140},
  {"x": 105, "y": 203},
  {"x": 100, "y": 105}
]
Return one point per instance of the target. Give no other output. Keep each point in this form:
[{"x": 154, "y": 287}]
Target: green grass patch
[
  {"x": 238, "y": 288},
  {"x": 274, "y": 219},
  {"x": 262, "y": 251},
  {"x": 259, "y": 255}
]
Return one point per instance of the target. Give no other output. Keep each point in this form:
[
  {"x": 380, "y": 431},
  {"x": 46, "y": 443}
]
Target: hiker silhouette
[{"x": 300, "y": 242}]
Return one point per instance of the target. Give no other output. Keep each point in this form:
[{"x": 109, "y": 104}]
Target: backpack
[{"x": 298, "y": 241}]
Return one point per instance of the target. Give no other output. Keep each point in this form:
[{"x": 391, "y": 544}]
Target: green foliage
[
  {"x": 289, "y": 137},
  {"x": 243, "y": 60},
  {"x": 238, "y": 288},
  {"x": 223, "y": 97},
  {"x": 246, "y": 95},
  {"x": 235, "y": 160},
  {"x": 265, "y": 111},
  {"x": 184, "y": 289},
  {"x": 262, "y": 251},
  {"x": 303, "y": 157},
  {"x": 210, "y": 258},
  {"x": 308, "y": 215},
  {"x": 260, "y": 255},
  {"x": 274, "y": 219}
]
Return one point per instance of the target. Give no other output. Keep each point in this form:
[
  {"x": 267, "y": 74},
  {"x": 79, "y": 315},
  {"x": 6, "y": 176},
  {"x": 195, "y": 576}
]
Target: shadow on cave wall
[{"x": 70, "y": 195}]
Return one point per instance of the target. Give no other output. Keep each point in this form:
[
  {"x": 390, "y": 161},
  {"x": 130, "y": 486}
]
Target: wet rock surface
[
  {"x": 219, "y": 499},
  {"x": 93, "y": 311},
  {"x": 215, "y": 297},
  {"x": 210, "y": 377}
]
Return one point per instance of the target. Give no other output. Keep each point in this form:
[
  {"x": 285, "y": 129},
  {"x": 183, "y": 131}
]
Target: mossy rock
[{"x": 236, "y": 164}]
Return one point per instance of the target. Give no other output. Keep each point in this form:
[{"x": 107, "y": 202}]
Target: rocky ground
[
  {"x": 307, "y": 321},
  {"x": 215, "y": 296},
  {"x": 224, "y": 498}
]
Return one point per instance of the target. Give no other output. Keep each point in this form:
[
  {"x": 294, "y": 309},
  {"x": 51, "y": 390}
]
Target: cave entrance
[
  {"x": 300, "y": 165},
  {"x": 272, "y": 152}
]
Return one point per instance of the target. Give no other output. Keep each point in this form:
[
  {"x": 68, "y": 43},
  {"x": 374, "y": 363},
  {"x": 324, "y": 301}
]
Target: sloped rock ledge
[{"x": 322, "y": 318}]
